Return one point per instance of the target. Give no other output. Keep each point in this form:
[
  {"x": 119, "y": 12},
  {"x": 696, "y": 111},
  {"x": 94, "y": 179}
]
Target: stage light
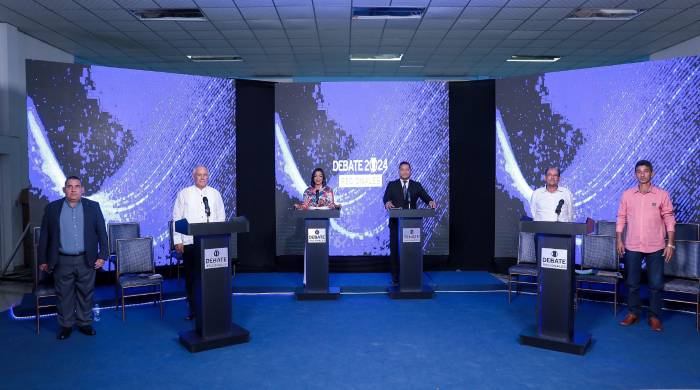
[
  {"x": 533, "y": 59},
  {"x": 386, "y": 13},
  {"x": 604, "y": 14},
  {"x": 171, "y": 14},
  {"x": 377, "y": 57},
  {"x": 215, "y": 58}
]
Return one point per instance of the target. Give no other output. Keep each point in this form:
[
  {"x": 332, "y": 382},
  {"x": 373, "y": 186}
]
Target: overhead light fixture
[
  {"x": 378, "y": 57},
  {"x": 604, "y": 14},
  {"x": 533, "y": 59},
  {"x": 206, "y": 58},
  {"x": 384, "y": 13},
  {"x": 172, "y": 14}
]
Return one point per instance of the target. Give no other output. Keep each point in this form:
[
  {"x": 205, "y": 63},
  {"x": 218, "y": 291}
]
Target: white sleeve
[
  {"x": 219, "y": 210},
  {"x": 178, "y": 214},
  {"x": 532, "y": 204}
]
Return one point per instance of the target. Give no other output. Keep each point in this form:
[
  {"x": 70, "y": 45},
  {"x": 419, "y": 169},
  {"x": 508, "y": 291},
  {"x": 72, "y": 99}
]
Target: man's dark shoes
[
  {"x": 87, "y": 330},
  {"x": 655, "y": 324},
  {"x": 630, "y": 319},
  {"x": 64, "y": 333}
]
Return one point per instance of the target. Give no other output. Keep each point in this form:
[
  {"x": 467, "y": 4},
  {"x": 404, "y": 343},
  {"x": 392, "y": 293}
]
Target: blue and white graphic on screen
[
  {"x": 595, "y": 124},
  {"x": 358, "y": 133},
  {"x": 132, "y": 136}
]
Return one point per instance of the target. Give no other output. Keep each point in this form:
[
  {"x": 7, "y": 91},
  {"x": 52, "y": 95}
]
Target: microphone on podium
[
  {"x": 558, "y": 210},
  {"x": 206, "y": 207}
]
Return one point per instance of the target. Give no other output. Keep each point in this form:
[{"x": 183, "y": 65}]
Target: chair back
[
  {"x": 605, "y": 228},
  {"x": 119, "y": 230},
  {"x": 685, "y": 262},
  {"x": 688, "y": 232},
  {"x": 599, "y": 252},
  {"x": 39, "y": 275},
  {"x": 526, "y": 248},
  {"x": 135, "y": 255}
]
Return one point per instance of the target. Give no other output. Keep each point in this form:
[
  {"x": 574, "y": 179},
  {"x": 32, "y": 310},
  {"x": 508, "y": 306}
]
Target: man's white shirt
[
  {"x": 190, "y": 206},
  {"x": 543, "y": 205}
]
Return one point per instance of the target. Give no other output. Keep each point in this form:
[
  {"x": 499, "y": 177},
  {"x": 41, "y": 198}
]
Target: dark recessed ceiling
[{"x": 314, "y": 38}]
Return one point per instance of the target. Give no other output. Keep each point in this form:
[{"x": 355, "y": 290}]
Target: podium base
[
  {"x": 302, "y": 294},
  {"x": 578, "y": 344},
  {"x": 196, "y": 343},
  {"x": 426, "y": 292}
]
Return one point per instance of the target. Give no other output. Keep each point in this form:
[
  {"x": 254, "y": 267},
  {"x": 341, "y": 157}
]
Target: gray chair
[
  {"x": 683, "y": 275},
  {"x": 599, "y": 254},
  {"x": 116, "y": 231},
  {"x": 174, "y": 257},
  {"x": 136, "y": 269},
  {"x": 687, "y": 232},
  {"x": 43, "y": 281},
  {"x": 605, "y": 228},
  {"x": 526, "y": 266}
]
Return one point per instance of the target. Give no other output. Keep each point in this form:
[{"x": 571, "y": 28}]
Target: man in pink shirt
[{"x": 647, "y": 212}]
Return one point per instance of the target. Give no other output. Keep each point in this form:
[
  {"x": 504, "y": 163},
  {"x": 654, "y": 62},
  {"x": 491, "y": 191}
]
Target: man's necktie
[{"x": 405, "y": 191}]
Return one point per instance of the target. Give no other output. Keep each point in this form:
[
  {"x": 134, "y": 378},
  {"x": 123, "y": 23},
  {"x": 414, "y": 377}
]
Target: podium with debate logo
[
  {"x": 212, "y": 285},
  {"x": 410, "y": 231},
  {"x": 556, "y": 248},
  {"x": 316, "y": 229}
]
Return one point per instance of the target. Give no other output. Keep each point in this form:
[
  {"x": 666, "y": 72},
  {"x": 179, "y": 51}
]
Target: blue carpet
[
  {"x": 455, "y": 341},
  {"x": 280, "y": 282}
]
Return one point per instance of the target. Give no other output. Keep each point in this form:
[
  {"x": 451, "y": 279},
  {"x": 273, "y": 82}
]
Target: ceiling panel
[{"x": 456, "y": 38}]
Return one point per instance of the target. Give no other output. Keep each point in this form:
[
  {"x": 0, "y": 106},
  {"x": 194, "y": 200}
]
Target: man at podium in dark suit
[{"x": 403, "y": 194}]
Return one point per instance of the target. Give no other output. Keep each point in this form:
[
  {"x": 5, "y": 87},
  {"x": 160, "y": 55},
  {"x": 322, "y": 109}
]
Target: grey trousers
[{"x": 75, "y": 285}]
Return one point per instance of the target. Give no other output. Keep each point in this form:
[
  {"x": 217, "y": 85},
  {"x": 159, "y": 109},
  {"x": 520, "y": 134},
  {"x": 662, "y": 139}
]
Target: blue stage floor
[
  {"x": 254, "y": 283},
  {"x": 459, "y": 340}
]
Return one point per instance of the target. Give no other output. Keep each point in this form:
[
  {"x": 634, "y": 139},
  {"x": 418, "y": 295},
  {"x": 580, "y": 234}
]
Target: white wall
[{"x": 15, "y": 48}]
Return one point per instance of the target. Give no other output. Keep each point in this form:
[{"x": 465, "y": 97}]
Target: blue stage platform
[{"x": 465, "y": 339}]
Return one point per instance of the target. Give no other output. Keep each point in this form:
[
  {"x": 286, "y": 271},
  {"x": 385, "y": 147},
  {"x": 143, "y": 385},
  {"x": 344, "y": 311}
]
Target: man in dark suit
[
  {"x": 72, "y": 245},
  {"x": 404, "y": 194}
]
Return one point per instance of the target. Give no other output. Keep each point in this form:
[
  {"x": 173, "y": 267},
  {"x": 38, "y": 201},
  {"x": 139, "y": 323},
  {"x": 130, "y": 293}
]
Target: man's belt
[{"x": 71, "y": 254}]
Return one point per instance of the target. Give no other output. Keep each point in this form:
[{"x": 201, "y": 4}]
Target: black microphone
[
  {"x": 408, "y": 193},
  {"x": 561, "y": 203},
  {"x": 318, "y": 194},
  {"x": 206, "y": 206}
]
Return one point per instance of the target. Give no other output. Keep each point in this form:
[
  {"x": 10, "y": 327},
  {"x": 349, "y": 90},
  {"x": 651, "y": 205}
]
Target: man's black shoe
[
  {"x": 87, "y": 330},
  {"x": 64, "y": 333}
]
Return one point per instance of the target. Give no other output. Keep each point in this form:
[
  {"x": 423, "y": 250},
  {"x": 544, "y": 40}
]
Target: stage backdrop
[
  {"x": 133, "y": 136},
  {"x": 358, "y": 133},
  {"x": 595, "y": 124}
]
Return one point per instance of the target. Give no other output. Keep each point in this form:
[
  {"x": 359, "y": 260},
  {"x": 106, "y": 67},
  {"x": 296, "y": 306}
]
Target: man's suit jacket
[
  {"x": 394, "y": 193},
  {"x": 94, "y": 227}
]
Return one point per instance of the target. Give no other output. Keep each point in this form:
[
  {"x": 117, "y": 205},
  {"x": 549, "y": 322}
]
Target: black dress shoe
[
  {"x": 64, "y": 333},
  {"x": 87, "y": 330},
  {"x": 189, "y": 317}
]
